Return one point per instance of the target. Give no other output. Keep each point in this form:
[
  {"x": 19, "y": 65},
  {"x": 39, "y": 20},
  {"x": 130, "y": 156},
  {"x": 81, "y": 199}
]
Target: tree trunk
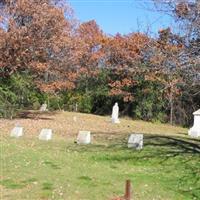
[{"x": 171, "y": 107}]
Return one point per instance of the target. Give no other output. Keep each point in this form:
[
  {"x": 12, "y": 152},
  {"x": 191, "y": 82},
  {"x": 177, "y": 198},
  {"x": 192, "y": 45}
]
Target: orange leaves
[
  {"x": 46, "y": 41},
  {"x": 55, "y": 86},
  {"x": 39, "y": 67},
  {"x": 125, "y": 50},
  {"x": 39, "y": 39},
  {"x": 127, "y": 96},
  {"x": 122, "y": 83},
  {"x": 182, "y": 9},
  {"x": 91, "y": 40},
  {"x": 124, "y": 56},
  {"x": 118, "y": 88}
]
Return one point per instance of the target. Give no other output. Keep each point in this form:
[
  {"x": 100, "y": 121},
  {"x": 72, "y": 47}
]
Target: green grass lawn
[{"x": 168, "y": 168}]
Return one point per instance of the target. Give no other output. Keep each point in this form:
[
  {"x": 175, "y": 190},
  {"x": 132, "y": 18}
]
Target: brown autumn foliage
[
  {"x": 165, "y": 65},
  {"x": 123, "y": 55},
  {"x": 43, "y": 39},
  {"x": 91, "y": 39},
  {"x": 37, "y": 38},
  {"x": 186, "y": 47}
]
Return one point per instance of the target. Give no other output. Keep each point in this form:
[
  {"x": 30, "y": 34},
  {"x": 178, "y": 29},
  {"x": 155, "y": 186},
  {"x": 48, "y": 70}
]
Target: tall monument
[{"x": 195, "y": 130}]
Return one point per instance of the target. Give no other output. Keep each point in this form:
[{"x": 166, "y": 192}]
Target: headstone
[
  {"x": 195, "y": 130},
  {"x": 115, "y": 114},
  {"x": 76, "y": 107},
  {"x": 75, "y": 119},
  {"x": 17, "y": 132},
  {"x": 135, "y": 141},
  {"x": 45, "y": 134},
  {"x": 84, "y": 137},
  {"x": 43, "y": 107}
]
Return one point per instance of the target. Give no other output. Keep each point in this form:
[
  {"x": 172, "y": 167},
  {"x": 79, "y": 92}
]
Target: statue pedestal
[
  {"x": 115, "y": 121},
  {"x": 195, "y": 130}
]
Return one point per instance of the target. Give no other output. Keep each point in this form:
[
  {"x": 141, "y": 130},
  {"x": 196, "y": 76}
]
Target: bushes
[
  {"x": 91, "y": 95},
  {"x": 150, "y": 102},
  {"x": 16, "y": 93}
]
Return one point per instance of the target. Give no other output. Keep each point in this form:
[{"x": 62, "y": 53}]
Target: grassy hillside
[{"x": 167, "y": 168}]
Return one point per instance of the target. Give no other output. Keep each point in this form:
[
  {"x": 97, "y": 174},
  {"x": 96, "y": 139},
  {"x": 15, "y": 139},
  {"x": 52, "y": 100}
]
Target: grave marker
[
  {"x": 17, "y": 132},
  {"x": 135, "y": 141},
  {"x": 84, "y": 137},
  {"x": 45, "y": 134}
]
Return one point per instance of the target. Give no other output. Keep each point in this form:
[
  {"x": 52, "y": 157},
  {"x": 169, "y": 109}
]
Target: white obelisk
[{"x": 195, "y": 130}]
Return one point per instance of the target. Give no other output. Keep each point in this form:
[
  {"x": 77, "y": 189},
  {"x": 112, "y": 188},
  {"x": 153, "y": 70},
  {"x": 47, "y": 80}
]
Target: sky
[{"x": 121, "y": 16}]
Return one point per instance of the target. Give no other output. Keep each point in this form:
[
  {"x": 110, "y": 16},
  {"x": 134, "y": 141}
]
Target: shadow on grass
[
  {"x": 171, "y": 144},
  {"x": 184, "y": 145},
  {"x": 52, "y": 165},
  {"x": 173, "y": 153},
  {"x": 10, "y": 184},
  {"x": 31, "y": 114}
]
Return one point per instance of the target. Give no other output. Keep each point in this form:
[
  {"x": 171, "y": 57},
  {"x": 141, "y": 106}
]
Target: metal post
[{"x": 127, "y": 195}]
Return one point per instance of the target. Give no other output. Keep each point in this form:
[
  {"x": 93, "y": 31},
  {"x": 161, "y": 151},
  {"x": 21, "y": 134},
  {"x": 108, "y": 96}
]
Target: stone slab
[{"x": 135, "y": 141}]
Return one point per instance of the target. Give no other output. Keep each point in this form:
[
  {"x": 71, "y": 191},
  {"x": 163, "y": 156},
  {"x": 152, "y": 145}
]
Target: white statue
[
  {"x": 195, "y": 130},
  {"x": 115, "y": 113}
]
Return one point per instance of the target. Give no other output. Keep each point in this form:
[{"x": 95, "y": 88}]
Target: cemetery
[
  {"x": 100, "y": 100},
  {"x": 91, "y": 157}
]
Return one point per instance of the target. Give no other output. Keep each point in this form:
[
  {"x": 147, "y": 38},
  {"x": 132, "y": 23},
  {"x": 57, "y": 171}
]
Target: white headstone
[
  {"x": 195, "y": 130},
  {"x": 43, "y": 107},
  {"x": 75, "y": 119},
  {"x": 45, "y": 134},
  {"x": 135, "y": 141},
  {"x": 17, "y": 132},
  {"x": 115, "y": 114},
  {"x": 84, "y": 137}
]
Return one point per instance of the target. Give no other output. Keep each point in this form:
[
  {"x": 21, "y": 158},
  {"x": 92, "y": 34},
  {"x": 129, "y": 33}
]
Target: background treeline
[{"x": 46, "y": 55}]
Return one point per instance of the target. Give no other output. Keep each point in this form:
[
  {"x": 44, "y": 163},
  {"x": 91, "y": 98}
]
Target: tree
[
  {"x": 122, "y": 56},
  {"x": 187, "y": 17},
  {"x": 91, "y": 39},
  {"x": 37, "y": 37},
  {"x": 163, "y": 59}
]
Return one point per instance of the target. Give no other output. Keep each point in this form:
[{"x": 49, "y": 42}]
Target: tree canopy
[{"x": 43, "y": 44}]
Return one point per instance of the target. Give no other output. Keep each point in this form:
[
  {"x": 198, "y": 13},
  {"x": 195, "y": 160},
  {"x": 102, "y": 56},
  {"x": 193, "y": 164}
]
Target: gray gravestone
[
  {"x": 195, "y": 130},
  {"x": 84, "y": 137},
  {"x": 135, "y": 141},
  {"x": 45, "y": 134},
  {"x": 17, "y": 132}
]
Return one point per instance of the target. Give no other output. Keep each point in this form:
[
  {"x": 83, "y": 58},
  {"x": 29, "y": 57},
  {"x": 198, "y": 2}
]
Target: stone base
[
  {"x": 137, "y": 146},
  {"x": 194, "y": 132},
  {"x": 115, "y": 121}
]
